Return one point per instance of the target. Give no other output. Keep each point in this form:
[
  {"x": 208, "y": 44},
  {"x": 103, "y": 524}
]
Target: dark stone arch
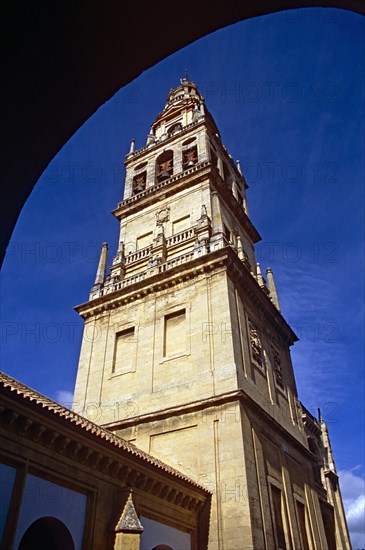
[
  {"x": 61, "y": 61},
  {"x": 46, "y": 533}
]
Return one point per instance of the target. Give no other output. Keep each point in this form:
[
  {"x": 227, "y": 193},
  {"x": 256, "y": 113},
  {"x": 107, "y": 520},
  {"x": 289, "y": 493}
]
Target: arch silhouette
[
  {"x": 46, "y": 533},
  {"x": 62, "y": 61}
]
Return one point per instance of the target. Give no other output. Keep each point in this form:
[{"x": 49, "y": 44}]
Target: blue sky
[{"x": 287, "y": 93}]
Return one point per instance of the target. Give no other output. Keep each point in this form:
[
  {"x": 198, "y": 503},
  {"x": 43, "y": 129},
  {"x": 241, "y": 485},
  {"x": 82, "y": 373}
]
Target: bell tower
[{"x": 185, "y": 352}]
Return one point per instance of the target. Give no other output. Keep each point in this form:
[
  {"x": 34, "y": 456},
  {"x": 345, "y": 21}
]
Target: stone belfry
[{"x": 185, "y": 351}]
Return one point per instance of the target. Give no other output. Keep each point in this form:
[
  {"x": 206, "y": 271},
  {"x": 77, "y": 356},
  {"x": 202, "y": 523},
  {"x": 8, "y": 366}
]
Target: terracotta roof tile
[{"x": 14, "y": 386}]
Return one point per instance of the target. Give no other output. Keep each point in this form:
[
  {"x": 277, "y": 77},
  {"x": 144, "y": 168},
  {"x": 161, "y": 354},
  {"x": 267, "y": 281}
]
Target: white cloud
[
  {"x": 353, "y": 494},
  {"x": 65, "y": 398}
]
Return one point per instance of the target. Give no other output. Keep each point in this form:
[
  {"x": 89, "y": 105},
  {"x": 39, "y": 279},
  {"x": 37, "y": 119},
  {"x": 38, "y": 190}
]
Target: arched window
[
  {"x": 46, "y": 533},
  {"x": 164, "y": 165},
  {"x": 190, "y": 157},
  {"x": 162, "y": 547},
  {"x": 174, "y": 129}
]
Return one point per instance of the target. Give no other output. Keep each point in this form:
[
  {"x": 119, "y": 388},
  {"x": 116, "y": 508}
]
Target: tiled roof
[{"x": 12, "y": 386}]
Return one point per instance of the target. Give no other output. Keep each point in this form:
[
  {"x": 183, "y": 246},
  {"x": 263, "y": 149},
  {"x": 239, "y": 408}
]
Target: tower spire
[{"x": 272, "y": 288}]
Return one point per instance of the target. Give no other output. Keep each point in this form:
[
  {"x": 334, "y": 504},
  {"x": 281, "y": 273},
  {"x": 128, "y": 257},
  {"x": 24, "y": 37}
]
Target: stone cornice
[
  {"x": 185, "y": 408},
  {"x": 153, "y": 283},
  {"x": 225, "y": 258},
  {"x": 238, "y": 395}
]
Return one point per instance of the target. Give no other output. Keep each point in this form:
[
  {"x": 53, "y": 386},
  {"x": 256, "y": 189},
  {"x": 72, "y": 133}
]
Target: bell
[{"x": 164, "y": 175}]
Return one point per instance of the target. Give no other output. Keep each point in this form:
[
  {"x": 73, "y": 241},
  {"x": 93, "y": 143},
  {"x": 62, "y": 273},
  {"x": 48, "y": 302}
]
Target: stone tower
[{"x": 185, "y": 351}]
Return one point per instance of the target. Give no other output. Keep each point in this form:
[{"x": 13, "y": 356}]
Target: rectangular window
[
  {"x": 124, "y": 351},
  {"x": 144, "y": 240},
  {"x": 278, "y": 518},
  {"x": 302, "y": 526},
  {"x": 180, "y": 225},
  {"x": 175, "y": 333}
]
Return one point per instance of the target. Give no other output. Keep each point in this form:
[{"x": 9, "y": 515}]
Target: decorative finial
[
  {"x": 238, "y": 166},
  {"x": 272, "y": 288},
  {"x": 259, "y": 276},
  {"x": 151, "y": 137},
  {"x": 185, "y": 77},
  {"x": 101, "y": 271}
]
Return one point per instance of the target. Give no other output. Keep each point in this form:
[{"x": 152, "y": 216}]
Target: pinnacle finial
[
  {"x": 185, "y": 78},
  {"x": 131, "y": 150},
  {"x": 101, "y": 271},
  {"x": 259, "y": 276},
  {"x": 272, "y": 288}
]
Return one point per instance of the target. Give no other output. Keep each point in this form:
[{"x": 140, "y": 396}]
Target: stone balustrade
[
  {"x": 139, "y": 255},
  {"x": 170, "y": 264},
  {"x": 181, "y": 237}
]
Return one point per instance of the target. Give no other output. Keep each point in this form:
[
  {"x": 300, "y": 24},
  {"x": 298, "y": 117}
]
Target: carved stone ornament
[
  {"x": 256, "y": 346},
  {"x": 278, "y": 369},
  {"x": 163, "y": 215}
]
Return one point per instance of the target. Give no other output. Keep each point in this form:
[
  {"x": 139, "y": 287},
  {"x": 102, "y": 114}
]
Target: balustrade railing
[
  {"x": 139, "y": 255},
  {"x": 180, "y": 237}
]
